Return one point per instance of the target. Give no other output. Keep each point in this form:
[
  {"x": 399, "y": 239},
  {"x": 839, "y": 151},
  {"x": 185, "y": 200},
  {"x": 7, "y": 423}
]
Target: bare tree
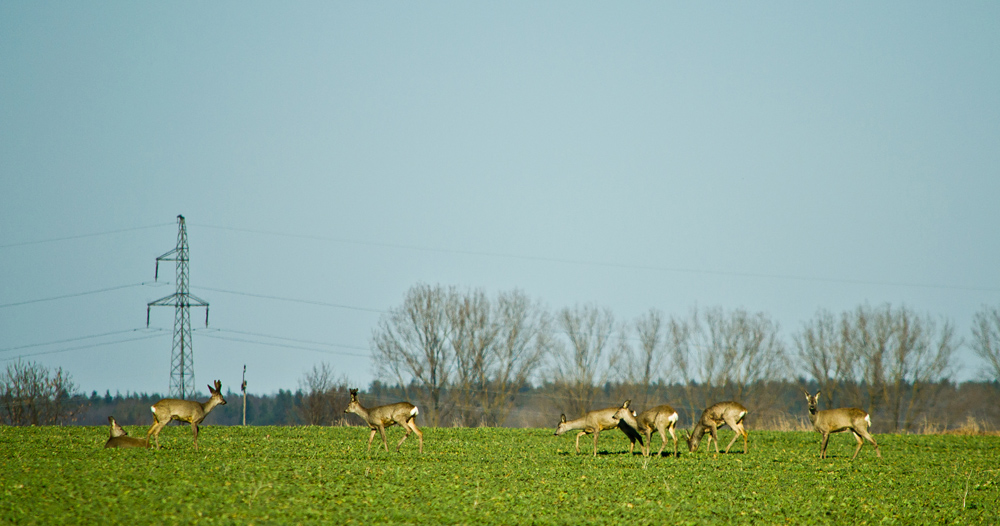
[
  {"x": 986, "y": 339},
  {"x": 30, "y": 394},
  {"x": 522, "y": 344},
  {"x": 473, "y": 338},
  {"x": 641, "y": 366},
  {"x": 580, "y": 366},
  {"x": 721, "y": 356},
  {"x": 321, "y": 393},
  {"x": 825, "y": 357},
  {"x": 411, "y": 344},
  {"x": 882, "y": 359}
]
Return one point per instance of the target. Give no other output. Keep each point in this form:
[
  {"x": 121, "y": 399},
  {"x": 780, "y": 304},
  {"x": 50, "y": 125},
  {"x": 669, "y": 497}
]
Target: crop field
[{"x": 308, "y": 475}]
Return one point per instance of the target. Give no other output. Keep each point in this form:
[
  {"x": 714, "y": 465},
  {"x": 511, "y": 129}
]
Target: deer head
[
  {"x": 561, "y": 428},
  {"x": 217, "y": 392},
  {"x": 355, "y": 406}
]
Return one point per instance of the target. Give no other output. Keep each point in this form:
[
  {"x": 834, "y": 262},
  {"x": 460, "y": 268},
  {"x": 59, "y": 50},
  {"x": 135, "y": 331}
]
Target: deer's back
[
  {"x": 841, "y": 419},
  {"x": 656, "y": 416},
  {"x": 387, "y": 414},
  {"x": 718, "y": 412},
  {"x": 172, "y": 408},
  {"x": 602, "y": 419}
]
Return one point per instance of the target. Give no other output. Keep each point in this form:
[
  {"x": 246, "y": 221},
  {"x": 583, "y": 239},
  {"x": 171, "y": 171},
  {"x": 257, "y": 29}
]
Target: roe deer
[
  {"x": 184, "y": 410},
  {"x": 383, "y": 416},
  {"x": 119, "y": 437},
  {"x": 662, "y": 418},
  {"x": 838, "y": 420},
  {"x": 601, "y": 420},
  {"x": 721, "y": 414}
]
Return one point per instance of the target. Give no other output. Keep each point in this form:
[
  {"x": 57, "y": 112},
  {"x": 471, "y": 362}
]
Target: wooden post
[{"x": 244, "y": 389}]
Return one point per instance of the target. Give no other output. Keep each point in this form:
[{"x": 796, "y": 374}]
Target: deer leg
[
  {"x": 578, "y": 440},
  {"x": 412, "y": 423},
  {"x": 385, "y": 444},
  {"x": 822, "y": 448},
  {"x": 370, "y": 437},
  {"x": 596, "y": 433},
  {"x": 739, "y": 431},
  {"x": 867, "y": 436},
  {"x": 155, "y": 431},
  {"x": 673, "y": 435},
  {"x": 861, "y": 443},
  {"x": 663, "y": 439},
  {"x": 194, "y": 431},
  {"x": 715, "y": 437}
]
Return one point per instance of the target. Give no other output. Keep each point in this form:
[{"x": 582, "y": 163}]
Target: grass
[{"x": 292, "y": 475}]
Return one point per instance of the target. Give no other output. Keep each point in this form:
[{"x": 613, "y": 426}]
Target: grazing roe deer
[
  {"x": 602, "y": 420},
  {"x": 850, "y": 419},
  {"x": 383, "y": 416},
  {"x": 119, "y": 437},
  {"x": 663, "y": 419},
  {"x": 721, "y": 414},
  {"x": 184, "y": 410}
]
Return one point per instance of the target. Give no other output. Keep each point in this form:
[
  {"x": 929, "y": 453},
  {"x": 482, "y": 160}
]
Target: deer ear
[
  {"x": 625, "y": 405},
  {"x": 817, "y": 395},
  {"x": 562, "y": 419}
]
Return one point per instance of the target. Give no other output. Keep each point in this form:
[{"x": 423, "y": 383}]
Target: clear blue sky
[{"x": 779, "y": 157}]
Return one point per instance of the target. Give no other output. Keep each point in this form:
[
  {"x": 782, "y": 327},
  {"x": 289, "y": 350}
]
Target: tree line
[{"x": 469, "y": 359}]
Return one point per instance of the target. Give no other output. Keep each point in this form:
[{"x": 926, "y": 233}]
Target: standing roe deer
[
  {"x": 383, "y": 416},
  {"x": 720, "y": 414},
  {"x": 184, "y": 410},
  {"x": 662, "y": 418},
  {"x": 601, "y": 420},
  {"x": 838, "y": 420},
  {"x": 119, "y": 437}
]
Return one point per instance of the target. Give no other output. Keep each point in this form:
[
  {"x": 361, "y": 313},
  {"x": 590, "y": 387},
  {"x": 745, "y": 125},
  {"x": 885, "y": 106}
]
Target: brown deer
[
  {"x": 839, "y": 420},
  {"x": 721, "y": 414},
  {"x": 383, "y": 416},
  {"x": 119, "y": 437},
  {"x": 184, "y": 410},
  {"x": 602, "y": 420},
  {"x": 661, "y": 418}
]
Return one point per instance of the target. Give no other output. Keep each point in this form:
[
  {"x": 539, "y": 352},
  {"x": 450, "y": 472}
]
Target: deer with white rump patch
[
  {"x": 184, "y": 410},
  {"x": 119, "y": 437},
  {"x": 383, "y": 416},
  {"x": 662, "y": 419},
  {"x": 721, "y": 414},
  {"x": 602, "y": 420},
  {"x": 839, "y": 420}
]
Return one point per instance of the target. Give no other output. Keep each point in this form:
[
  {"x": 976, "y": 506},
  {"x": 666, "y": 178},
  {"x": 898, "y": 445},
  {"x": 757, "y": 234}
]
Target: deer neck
[
  {"x": 812, "y": 414},
  {"x": 362, "y": 412},
  {"x": 209, "y": 405}
]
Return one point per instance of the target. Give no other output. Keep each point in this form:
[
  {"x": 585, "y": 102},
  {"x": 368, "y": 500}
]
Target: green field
[{"x": 261, "y": 475}]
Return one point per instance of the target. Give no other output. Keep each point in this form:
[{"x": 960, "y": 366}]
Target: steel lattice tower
[{"x": 182, "y": 355}]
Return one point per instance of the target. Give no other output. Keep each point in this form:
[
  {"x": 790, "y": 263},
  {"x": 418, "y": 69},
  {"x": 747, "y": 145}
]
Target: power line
[
  {"x": 654, "y": 268},
  {"x": 288, "y": 346},
  {"x": 83, "y": 347},
  {"x": 293, "y": 300},
  {"x": 75, "y": 295},
  {"x": 81, "y": 236},
  {"x": 68, "y": 340},
  {"x": 296, "y": 340}
]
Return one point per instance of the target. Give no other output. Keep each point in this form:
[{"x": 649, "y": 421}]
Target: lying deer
[
  {"x": 383, "y": 416},
  {"x": 662, "y": 418},
  {"x": 721, "y": 414},
  {"x": 839, "y": 420},
  {"x": 602, "y": 420},
  {"x": 119, "y": 437},
  {"x": 184, "y": 410}
]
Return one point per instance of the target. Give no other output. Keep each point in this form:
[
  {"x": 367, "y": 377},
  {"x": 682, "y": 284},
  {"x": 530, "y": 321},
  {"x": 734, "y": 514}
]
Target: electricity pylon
[{"x": 182, "y": 355}]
